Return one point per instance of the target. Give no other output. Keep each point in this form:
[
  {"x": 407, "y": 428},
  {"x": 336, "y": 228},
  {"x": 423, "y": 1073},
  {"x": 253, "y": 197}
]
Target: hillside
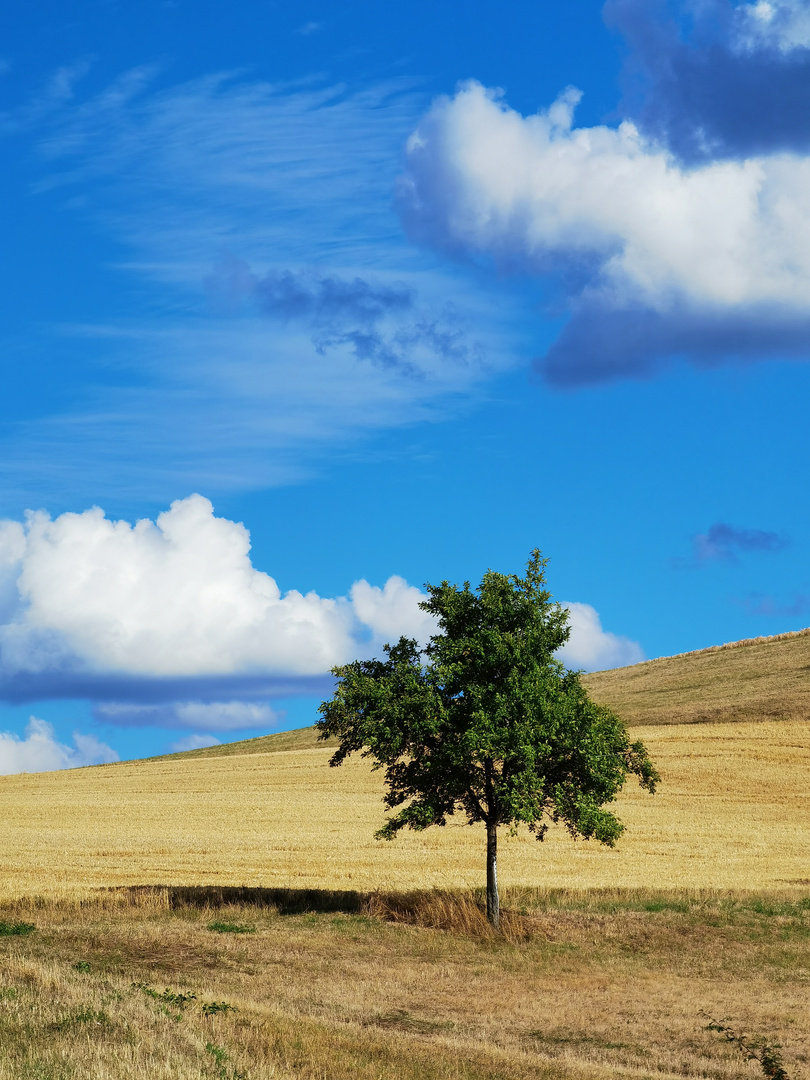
[
  {"x": 288, "y": 820},
  {"x": 298, "y": 739},
  {"x": 757, "y": 679}
]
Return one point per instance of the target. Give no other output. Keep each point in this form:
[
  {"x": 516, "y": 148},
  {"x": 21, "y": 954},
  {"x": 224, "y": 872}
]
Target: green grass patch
[
  {"x": 225, "y": 1070},
  {"x": 231, "y": 928},
  {"x": 211, "y": 1008},
  {"x": 81, "y": 1018},
  {"x": 16, "y": 929},
  {"x": 167, "y": 996}
]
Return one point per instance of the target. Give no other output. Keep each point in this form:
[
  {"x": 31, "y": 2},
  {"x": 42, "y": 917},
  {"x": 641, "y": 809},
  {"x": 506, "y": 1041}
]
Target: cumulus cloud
[
  {"x": 659, "y": 259},
  {"x": 592, "y": 648},
  {"x": 392, "y": 611},
  {"x": 40, "y": 751},
  {"x": 175, "y": 597},
  {"x": 779, "y": 24},
  {"x": 167, "y": 623},
  {"x": 602, "y": 342},
  {"x": 723, "y": 542},
  {"x": 719, "y": 79}
]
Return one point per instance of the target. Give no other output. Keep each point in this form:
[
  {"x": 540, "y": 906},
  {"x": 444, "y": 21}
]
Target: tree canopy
[{"x": 486, "y": 721}]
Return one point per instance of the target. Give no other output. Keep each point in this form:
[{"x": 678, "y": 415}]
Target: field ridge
[
  {"x": 755, "y": 679},
  {"x": 762, "y": 640},
  {"x": 760, "y": 678}
]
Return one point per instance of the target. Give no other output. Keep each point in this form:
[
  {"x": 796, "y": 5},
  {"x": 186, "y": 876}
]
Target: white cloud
[
  {"x": 725, "y": 236},
  {"x": 393, "y": 611},
  {"x": 39, "y": 751},
  {"x": 592, "y": 648},
  {"x": 783, "y": 24},
  {"x": 226, "y": 715},
  {"x": 177, "y": 597},
  {"x": 193, "y": 742}
]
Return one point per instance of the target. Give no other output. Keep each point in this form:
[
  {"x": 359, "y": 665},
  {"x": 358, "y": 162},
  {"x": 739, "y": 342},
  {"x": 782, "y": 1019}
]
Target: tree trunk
[{"x": 493, "y": 901}]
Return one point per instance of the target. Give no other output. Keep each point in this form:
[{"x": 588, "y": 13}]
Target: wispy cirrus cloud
[{"x": 342, "y": 329}]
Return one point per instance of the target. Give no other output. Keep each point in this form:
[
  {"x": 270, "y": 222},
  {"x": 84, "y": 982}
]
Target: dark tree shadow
[{"x": 285, "y": 901}]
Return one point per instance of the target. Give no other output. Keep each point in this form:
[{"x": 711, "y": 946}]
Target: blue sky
[{"x": 337, "y": 301}]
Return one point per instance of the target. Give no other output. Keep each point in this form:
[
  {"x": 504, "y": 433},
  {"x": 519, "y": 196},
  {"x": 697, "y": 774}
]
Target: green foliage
[
  {"x": 180, "y": 1000},
  {"x": 757, "y": 1049},
  {"x": 167, "y": 996},
  {"x": 231, "y": 928},
  {"x": 486, "y": 722},
  {"x": 218, "y": 1053},
  {"x": 83, "y": 966},
  {"x": 16, "y": 929},
  {"x": 221, "y": 1058},
  {"x": 211, "y": 1008},
  {"x": 81, "y": 1017}
]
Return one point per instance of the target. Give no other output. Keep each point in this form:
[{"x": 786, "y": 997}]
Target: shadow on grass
[
  {"x": 464, "y": 911},
  {"x": 284, "y": 901},
  {"x": 460, "y": 911}
]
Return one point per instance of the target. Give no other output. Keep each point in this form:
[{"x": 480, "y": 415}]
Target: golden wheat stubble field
[
  {"x": 756, "y": 679},
  {"x": 732, "y": 812},
  {"x": 703, "y": 906}
]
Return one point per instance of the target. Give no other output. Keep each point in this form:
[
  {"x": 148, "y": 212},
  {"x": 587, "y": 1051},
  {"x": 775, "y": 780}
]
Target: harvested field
[
  {"x": 760, "y": 679},
  {"x": 732, "y": 813}
]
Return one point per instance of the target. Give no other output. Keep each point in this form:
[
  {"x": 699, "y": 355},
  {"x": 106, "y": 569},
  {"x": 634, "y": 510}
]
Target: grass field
[
  {"x": 248, "y": 875},
  {"x": 600, "y": 984}
]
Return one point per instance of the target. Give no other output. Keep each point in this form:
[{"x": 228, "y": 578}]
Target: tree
[{"x": 486, "y": 721}]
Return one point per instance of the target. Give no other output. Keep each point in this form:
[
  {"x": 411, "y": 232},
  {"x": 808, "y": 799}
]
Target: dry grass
[
  {"x": 601, "y": 984},
  {"x": 371, "y": 960},
  {"x": 758, "y": 679},
  {"x": 298, "y": 739},
  {"x": 732, "y": 812}
]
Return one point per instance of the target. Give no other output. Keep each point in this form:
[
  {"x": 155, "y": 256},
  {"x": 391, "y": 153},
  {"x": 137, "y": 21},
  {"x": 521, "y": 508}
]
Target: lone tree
[{"x": 486, "y": 721}]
